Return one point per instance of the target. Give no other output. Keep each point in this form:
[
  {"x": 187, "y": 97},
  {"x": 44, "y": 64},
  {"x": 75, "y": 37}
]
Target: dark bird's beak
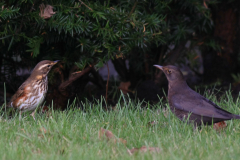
[
  {"x": 159, "y": 67},
  {"x": 55, "y": 62}
]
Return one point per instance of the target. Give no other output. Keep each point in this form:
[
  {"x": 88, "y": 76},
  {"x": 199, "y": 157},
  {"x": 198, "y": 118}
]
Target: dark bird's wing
[{"x": 199, "y": 105}]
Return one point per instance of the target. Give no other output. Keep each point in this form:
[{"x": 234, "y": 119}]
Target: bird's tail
[{"x": 236, "y": 116}]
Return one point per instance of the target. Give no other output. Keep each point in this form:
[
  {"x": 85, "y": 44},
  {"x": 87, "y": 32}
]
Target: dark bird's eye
[
  {"x": 169, "y": 71},
  {"x": 49, "y": 66}
]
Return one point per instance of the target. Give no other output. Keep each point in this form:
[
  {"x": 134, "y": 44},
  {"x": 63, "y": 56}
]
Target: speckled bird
[{"x": 32, "y": 92}]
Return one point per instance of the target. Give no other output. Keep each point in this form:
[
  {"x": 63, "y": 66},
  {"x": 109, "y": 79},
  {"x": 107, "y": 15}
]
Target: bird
[
  {"x": 189, "y": 105},
  {"x": 32, "y": 92}
]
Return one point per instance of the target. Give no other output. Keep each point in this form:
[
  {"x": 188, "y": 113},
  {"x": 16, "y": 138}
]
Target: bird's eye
[
  {"x": 49, "y": 66},
  {"x": 169, "y": 71}
]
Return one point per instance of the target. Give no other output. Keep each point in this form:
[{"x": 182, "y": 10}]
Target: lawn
[{"x": 74, "y": 134}]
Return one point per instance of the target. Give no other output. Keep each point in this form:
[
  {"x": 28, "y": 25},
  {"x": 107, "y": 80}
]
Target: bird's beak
[
  {"x": 54, "y": 62},
  {"x": 159, "y": 67}
]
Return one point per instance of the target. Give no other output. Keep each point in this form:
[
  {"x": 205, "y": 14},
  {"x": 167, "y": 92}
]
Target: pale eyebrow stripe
[{"x": 43, "y": 66}]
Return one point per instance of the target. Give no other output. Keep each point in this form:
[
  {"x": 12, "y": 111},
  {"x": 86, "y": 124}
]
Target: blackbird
[
  {"x": 185, "y": 103},
  {"x": 33, "y": 91}
]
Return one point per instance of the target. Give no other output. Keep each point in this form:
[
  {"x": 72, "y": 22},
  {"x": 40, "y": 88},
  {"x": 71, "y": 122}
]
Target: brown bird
[
  {"x": 186, "y": 103},
  {"x": 33, "y": 91}
]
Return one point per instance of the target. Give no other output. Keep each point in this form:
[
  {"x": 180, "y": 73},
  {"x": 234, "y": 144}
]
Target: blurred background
[{"x": 108, "y": 48}]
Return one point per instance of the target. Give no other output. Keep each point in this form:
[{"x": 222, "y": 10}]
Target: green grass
[{"x": 73, "y": 134}]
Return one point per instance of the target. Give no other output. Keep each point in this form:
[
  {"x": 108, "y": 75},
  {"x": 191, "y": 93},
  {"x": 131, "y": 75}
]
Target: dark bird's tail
[{"x": 236, "y": 116}]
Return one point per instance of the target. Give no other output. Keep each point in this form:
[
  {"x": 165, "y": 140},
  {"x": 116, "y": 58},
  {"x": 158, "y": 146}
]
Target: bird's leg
[
  {"x": 20, "y": 116},
  {"x": 33, "y": 115}
]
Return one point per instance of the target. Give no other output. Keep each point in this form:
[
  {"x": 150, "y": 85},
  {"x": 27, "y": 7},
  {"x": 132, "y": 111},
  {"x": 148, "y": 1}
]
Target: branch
[{"x": 74, "y": 76}]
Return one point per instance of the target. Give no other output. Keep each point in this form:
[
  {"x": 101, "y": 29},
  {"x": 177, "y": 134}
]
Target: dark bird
[
  {"x": 33, "y": 91},
  {"x": 186, "y": 103}
]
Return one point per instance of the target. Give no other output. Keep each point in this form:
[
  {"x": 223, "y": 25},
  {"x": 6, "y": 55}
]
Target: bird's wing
[
  {"x": 197, "y": 104},
  {"x": 20, "y": 92}
]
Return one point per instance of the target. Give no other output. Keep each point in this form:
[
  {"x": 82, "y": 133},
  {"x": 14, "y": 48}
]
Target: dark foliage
[{"x": 88, "y": 33}]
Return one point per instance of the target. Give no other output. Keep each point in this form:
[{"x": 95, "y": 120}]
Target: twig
[
  {"x": 107, "y": 83},
  {"x": 133, "y": 8},
  {"x": 85, "y": 5}
]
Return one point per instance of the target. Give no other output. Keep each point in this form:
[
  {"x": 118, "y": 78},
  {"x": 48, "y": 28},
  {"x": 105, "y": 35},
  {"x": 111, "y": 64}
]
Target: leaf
[
  {"x": 103, "y": 133},
  {"x": 23, "y": 130},
  {"x": 219, "y": 126},
  {"x": 124, "y": 87},
  {"x": 46, "y": 12},
  {"x": 152, "y": 123},
  {"x": 43, "y": 130},
  {"x": 144, "y": 149}
]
